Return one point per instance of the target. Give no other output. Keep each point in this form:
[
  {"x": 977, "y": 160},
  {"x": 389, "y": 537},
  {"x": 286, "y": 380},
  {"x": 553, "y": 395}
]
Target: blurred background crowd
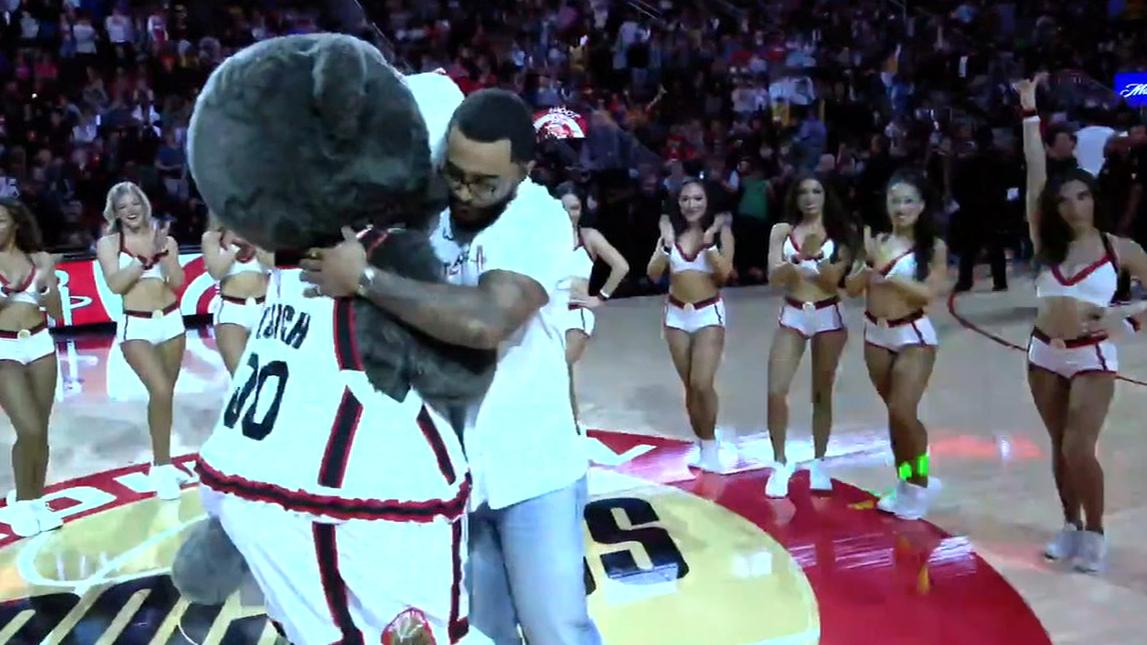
[{"x": 745, "y": 94}]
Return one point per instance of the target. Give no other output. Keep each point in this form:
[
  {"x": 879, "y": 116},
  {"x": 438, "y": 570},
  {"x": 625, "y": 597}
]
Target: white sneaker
[
  {"x": 1064, "y": 545},
  {"x": 890, "y": 501},
  {"x": 1091, "y": 552},
  {"x": 720, "y": 459},
  {"x": 21, "y": 517},
  {"x": 818, "y": 479},
  {"x": 778, "y": 484},
  {"x": 693, "y": 455},
  {"x": 912, "y": 503},
  {"x": 47, "y": 518},
  {"x": 166, "y": 480}
]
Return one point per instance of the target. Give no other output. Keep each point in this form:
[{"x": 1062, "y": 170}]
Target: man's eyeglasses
[{"x": 481, "y": 189}]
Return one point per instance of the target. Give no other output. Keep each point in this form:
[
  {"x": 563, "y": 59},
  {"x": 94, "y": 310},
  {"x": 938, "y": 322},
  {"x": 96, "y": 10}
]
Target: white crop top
[
  {"x": 679, "y": 262},
  {"x": 154, "y": 272},
  {"x": 903, "y": 266},
  {"x": 24, "y": 292},
  {"x": 581, "y": 263},
  {"x": 250, "y": 265},
  {"x": 1094, "y": 284},
  {"x": 791, "y": 251}
]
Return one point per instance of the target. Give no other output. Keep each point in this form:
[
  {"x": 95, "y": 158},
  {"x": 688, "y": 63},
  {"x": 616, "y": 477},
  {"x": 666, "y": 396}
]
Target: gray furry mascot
[{"x": 292, "y": 139}]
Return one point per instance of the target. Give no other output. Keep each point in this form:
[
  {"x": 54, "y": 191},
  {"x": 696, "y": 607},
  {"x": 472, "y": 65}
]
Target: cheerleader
[
  {"x": 140, "y": 262},
  {"x": 28, "y": 366},
  {"x": 811, "y": 252},
  {"x": 243, "y": 273},
  {"x": 589, "y": 245},
  {"x": 1072, "y": 363},
  {"x": 695, "y": 315},
  {"x": 905, "y": 270}
]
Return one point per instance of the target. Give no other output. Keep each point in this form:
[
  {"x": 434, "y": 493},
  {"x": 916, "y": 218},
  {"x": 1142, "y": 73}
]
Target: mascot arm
[{"x": 477, "y": 317}]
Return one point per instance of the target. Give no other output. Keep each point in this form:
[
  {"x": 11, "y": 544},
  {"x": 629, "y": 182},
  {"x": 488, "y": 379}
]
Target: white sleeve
[
  {"x": 534, "y": 240},
  {"x": 437, "y": 96}
]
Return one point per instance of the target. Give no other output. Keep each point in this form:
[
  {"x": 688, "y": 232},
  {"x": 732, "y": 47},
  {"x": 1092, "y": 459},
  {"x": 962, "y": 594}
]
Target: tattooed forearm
[{"x": 458, "y": 315}]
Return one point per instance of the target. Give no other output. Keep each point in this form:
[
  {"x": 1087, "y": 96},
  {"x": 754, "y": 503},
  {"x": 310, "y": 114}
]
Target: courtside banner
[
  {"x": 88, "y": 300},
  {"x": 1132, "y": 86}
]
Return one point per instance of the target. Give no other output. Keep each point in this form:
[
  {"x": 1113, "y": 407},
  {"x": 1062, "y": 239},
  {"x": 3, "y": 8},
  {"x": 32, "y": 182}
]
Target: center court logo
[{"x": 104, "y": 577}]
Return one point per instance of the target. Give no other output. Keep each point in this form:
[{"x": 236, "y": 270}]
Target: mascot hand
[{"x": 208, "y": 568}]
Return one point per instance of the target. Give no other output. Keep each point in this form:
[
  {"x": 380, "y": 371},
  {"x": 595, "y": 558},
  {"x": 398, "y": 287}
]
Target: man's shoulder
[{"x": 533, "y": 212}]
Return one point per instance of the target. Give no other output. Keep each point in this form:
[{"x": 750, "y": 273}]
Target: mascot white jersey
[
  {"x": 373, "y": 543},
  {"x": 325, "y": 442}
]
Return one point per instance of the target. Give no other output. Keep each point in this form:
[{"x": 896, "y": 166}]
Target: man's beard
[{"x": 477, "y": 218}]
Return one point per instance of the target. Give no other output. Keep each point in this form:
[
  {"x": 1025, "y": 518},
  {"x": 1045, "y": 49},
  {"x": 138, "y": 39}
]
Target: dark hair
[
  {"x": 838, "y": 223},
  {"x": 28, "y": 238},
  {"x": 674, "y": 207},
  {"x": 568, "y": 188},
  {"x": 1054, "y": 233},
  {"x": 1054, "y": 131},
  {"x": 492, "y": 115},
  {"x": 924, "y": 231}
]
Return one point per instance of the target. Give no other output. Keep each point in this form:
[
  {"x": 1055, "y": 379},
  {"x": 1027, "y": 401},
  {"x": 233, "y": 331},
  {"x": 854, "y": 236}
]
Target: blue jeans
[{"x": 526, "y": 567}]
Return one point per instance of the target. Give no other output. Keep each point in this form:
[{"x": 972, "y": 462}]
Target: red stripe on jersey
[
  {"x": 346, "y": 344},
  {"x": 459, "y": 625},
  {"x": 341, "y": 508},
  {"x": 372, "y": 239},
  {"x": 332, "y": 471},
  {"x": 334, "y": 587},
  {"x": 430, "y": 431}
]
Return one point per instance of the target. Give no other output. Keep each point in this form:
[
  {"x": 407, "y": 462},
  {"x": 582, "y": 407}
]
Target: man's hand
[{"x": 335, "y": 271}]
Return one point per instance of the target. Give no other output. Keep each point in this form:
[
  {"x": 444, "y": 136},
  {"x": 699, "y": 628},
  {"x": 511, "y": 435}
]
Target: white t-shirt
[
  {"x": 118, "y": 28},
  {"x": 521, "y": 440},
  {"x": 85, "y": 36},
  {"x": 1089, "y": 145},
  {"x": 437, "y": 96}
]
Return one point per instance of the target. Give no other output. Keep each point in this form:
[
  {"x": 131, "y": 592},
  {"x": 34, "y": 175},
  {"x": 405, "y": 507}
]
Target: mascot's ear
[
  {"x": 208, "y": 568},
  {"x": 339, "y": 74}
]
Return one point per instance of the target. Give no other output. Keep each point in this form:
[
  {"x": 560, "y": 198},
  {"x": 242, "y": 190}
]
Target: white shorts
[
  {"x": 579, "y": 318},
  {"x": 238, "y": 311},
  {"x": 811, "y": 318},
  {"x": 27, "y": 345},
  {"x": 691, "y": 317},
  {"x": 156, "y": 327},
  {"x": 359, "y": 581},
  {"x": 1071, "y": 358},
  {"x": 914, "y": 330}
]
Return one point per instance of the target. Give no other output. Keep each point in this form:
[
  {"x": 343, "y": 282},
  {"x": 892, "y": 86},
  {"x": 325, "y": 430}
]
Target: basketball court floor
[{"x": 674, "y": 558}]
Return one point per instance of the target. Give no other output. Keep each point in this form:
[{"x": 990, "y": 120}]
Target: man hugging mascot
[{"x": 334, "y": 476}]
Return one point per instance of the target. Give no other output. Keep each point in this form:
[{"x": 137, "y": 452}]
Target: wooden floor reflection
[{"x": 988, "y": 446}]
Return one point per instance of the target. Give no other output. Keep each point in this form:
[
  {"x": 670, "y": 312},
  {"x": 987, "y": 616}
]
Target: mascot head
[{"x": 294, "y": 137}]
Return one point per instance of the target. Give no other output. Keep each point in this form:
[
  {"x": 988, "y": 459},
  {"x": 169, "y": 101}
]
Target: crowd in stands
[{"x": 746, "y": 94}]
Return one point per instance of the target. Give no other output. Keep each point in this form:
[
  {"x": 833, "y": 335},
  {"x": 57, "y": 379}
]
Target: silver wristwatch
[{"x": 365, "y": 280}]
